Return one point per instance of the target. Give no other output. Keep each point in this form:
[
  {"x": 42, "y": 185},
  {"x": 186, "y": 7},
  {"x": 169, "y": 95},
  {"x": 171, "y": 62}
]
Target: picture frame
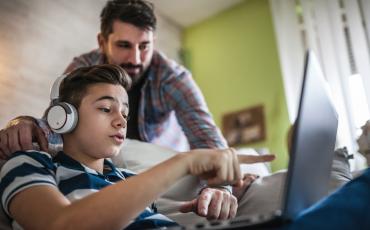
[{"x": 245, "y": 126}]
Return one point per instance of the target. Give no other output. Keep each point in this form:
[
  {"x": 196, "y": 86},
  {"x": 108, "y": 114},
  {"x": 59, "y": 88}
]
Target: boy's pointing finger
[{"x": 250, "y": 159}]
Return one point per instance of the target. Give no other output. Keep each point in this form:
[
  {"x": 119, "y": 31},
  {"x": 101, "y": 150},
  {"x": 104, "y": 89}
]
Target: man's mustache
[{"x": 131, "y": 66}]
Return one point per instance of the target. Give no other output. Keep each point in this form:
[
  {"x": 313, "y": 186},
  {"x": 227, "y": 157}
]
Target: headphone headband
[
  {"x": 54, "y": 92},
  {"x": 62, "y": 117}
]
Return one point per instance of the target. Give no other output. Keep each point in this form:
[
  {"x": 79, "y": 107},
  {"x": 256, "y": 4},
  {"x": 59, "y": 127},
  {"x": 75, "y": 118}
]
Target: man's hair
[
  {"x": 139, "y": 13},
  {"x": 74, "y": 86}
]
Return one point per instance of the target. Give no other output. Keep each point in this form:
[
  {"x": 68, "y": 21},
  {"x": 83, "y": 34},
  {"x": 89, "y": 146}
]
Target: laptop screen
[{"x": 313, "y": 143}]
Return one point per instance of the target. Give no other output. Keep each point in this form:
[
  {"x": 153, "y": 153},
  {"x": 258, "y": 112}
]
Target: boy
[{"x": 71, "y": 190}]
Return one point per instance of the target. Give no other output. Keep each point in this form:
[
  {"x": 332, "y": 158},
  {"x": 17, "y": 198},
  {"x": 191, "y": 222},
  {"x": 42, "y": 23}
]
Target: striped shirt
[
  {"x": 172, "y": 110},
  {"x": 74, "y": 180}
]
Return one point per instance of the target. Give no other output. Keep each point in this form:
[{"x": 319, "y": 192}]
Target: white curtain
[{"x": 335, "y": 31}]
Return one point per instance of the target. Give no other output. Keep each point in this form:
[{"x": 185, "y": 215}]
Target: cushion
[{"x": 138, "y": 156}]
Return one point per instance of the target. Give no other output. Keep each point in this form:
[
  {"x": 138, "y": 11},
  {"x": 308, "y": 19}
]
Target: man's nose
[{"x": 135, "y": 56}]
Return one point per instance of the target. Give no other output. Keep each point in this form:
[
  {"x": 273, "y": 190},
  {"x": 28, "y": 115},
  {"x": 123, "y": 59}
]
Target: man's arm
[
  {"x": 93, "y": 57},
  {"x": 183, "y": 95},
  {"x": 19, "y": 134}
]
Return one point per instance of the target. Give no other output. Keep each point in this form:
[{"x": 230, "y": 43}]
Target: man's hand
[
  {"x": 213, "y": 203},
  {"x": 19, "y": 135}
]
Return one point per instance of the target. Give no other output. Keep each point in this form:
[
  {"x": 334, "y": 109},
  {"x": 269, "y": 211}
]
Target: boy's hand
[
  {"x": 213, "y": 203},
  {"x": 18, "y": 135},
  {"x": 221, "y": 166},
  {"x": 216, "y": 166},
  {"x": 238, "y": 191}
]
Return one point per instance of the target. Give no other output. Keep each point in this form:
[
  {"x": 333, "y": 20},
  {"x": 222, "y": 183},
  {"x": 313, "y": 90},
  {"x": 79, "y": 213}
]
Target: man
[
  {"x": 163, "y": 91},
  {"x": 163, "y": 94}
]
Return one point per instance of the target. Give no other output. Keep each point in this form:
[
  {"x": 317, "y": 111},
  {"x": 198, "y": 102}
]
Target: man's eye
[
  {"x": 143, "y": 47},
  {"x": 126, "y": 46},
  {"x": 105, "y": 110}
]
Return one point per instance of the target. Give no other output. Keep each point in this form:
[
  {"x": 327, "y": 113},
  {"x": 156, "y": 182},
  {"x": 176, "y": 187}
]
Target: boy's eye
[
  {"x": 105, "y": 110},
  {"x": 124, "y": 115}
]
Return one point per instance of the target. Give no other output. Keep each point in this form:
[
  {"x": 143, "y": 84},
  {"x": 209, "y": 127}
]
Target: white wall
[
  {"x": 39, "y": 38},
  {"x": 168, "y": 37}
]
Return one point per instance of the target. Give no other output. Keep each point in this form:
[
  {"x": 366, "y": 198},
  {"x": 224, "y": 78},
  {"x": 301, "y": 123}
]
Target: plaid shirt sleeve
[
  {"x": 55, "y": 141},
  {"x": 93, "y": 57},
  {"x": 76, "y": 63},
  {"x": 183, "y": 95}
]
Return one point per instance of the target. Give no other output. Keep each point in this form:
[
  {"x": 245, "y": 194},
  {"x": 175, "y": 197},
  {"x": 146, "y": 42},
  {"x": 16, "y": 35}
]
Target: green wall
[{"x": 233, "y": 57}]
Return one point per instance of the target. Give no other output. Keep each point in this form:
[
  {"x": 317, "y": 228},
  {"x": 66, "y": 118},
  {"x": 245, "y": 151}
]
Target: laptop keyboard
[{"x": 240, "y": 222}]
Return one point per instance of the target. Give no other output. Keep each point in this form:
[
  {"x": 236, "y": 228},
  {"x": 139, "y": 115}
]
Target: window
[{"x": 338, "y": 32}]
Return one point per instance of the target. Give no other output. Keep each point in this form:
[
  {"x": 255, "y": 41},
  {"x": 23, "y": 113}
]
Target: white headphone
[{"x": 62, "y": 117}]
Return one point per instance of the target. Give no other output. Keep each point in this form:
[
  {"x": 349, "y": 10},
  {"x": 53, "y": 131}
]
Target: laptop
[{"x": 311, "y": 155}]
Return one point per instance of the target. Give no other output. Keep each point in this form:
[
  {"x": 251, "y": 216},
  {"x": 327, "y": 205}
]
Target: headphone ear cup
[{"x": 62, "y": 117}]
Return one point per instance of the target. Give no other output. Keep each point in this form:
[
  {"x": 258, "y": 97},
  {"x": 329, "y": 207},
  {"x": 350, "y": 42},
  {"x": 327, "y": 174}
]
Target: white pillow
[{"x": 139, "y": 156}]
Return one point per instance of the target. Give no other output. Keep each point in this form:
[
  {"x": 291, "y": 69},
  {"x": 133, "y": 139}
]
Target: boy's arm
[
  {"x": 115, "y": 206},
  {"x": 19, "y": 134}
]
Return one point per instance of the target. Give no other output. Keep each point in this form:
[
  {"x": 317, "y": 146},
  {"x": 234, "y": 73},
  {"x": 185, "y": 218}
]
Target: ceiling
[{"x": 187, "y": 12}]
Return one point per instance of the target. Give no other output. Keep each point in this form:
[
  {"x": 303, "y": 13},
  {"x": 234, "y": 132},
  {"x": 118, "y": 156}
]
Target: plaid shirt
[{"x": 172, "y": 109}]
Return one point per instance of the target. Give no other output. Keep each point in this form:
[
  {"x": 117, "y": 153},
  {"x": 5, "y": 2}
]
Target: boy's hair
[
  {"x": 139, "y": 13},
  {"x": 73, "y": 87}
]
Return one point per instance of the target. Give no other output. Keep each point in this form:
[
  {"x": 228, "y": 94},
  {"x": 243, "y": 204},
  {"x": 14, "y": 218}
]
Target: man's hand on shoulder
[
  {"x": 19, "y": 135},
  {"x": 213, "y": 203}
]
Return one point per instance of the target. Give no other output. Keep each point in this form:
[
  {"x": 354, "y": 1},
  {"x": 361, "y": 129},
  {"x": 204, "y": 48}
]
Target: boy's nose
[{"x": 120, "y": 122}]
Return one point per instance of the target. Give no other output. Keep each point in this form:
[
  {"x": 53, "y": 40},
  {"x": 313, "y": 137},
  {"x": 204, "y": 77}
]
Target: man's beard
[{"x": 135, "y": 77}]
